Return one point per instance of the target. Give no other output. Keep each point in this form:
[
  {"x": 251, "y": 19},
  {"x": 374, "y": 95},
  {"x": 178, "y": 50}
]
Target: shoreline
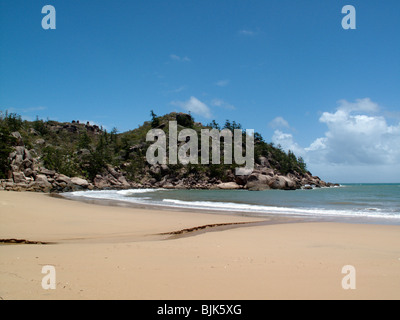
[
  {"x": 148, "y": 206},
  {"x": 114, "y": 252},
  {"x": 236, "y": 212}
]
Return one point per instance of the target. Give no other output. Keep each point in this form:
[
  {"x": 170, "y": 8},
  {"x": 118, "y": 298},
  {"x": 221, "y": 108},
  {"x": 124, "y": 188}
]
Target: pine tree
[
  {"x": 6, "y": 141},
  {"x": 84, "y": 141},
  {"x": 155, "y": 121}
]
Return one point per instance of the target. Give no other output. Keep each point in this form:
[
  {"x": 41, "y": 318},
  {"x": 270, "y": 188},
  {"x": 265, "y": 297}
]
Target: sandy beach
[{"x": 109, "y": 252}]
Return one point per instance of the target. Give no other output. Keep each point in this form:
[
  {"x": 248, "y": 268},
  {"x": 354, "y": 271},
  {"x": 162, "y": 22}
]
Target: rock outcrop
[
  {"x": 29, "y": 175},
  {"x": 229, "y": 186}
]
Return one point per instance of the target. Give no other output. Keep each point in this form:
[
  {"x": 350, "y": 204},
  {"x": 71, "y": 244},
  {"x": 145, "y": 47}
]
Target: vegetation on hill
[{"x": 76, "y": 149}]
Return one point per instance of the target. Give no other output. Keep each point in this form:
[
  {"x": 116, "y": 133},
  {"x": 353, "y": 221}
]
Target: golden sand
[{"x": 108, "y": 252}]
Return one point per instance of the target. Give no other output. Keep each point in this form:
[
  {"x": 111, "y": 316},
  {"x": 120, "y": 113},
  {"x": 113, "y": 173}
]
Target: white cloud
[
  {"x": 222, "y": 83},
  {"x": 178, "y": 58},
  {"x": 357, "y": 146},
  {"x": 286, "y": 141},
  {"x": 318, "y": 144},
  {"x": 222, "y": 104},
  {"x": 174, "y": 57},
  {"x": 356, "y": 138},
  {"x": 194, "y": 106},
  {"x": 365, "y": 105},
  {"x": 278, "y": 122},
  {"x": 247, "y": 32}
]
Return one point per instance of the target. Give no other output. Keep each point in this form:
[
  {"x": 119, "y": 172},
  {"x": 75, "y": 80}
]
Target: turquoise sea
[{"x": 365, "y": 203}]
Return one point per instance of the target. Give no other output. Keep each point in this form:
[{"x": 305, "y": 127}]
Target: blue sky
[{"x": 286, "y": 69}]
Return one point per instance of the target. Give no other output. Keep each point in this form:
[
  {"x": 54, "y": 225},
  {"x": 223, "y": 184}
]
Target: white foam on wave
[
  {"x": 97, "y": 194},
  {"x": 130, "y": 192},
  {"x": 120, "y": 195},
  {"x": 230, "y": 206},
  {"x": 128, "y": 196}
]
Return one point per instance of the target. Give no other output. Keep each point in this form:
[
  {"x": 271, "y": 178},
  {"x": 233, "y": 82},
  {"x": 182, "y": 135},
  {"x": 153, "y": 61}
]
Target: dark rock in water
[
  {"x": 283, "y": 183},
  {"x": 241, "y": 180},
  {"x": 290, "y": 184},
  {"x": 277, "y": 183}
]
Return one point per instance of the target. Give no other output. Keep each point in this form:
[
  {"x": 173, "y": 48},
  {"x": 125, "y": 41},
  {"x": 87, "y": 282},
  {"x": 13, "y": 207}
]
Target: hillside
[{"x": 56, "y": 157}]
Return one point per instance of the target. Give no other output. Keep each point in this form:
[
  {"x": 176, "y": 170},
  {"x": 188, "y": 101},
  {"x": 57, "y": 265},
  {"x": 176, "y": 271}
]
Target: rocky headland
[{"x": 87, "y": 162}]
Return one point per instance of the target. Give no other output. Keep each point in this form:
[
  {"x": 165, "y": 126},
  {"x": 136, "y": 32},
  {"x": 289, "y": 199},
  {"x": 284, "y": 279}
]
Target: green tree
[
  {"x": 84, "y": 141},
  {"x": 100, "y": 156},
  {"x": 6, "y": 141},
  {"x": 185, "y": 120},
  {"x": 232, "y": 125},
  {"x": 11, "y": 121},
  {"x": 258, "y": 138},
  {"x": 59, "y": 160},
  {"x": 40, "y": 126},
  {"x": 113, "y": 135},
  {"x": 214, "y": 125},
  {"x": 302, "y": 165},
  {"x": 155, "y": 121}
]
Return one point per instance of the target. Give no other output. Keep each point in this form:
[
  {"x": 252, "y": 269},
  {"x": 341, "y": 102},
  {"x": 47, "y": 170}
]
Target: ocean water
[{"x": 365, "y": 203}]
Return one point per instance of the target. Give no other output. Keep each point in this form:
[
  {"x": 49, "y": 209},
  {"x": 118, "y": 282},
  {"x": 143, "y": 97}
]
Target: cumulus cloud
[
  {"x": 194, "y": 106},
  {"x": 354, "y": 137},
  {"x": 358, "y": 140},
  {"x": 318, "y": 144},
  {"x": 278, "y": 122},
  {"x": 365, "y": 105},
  {"x": 286, "y": 141}
]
